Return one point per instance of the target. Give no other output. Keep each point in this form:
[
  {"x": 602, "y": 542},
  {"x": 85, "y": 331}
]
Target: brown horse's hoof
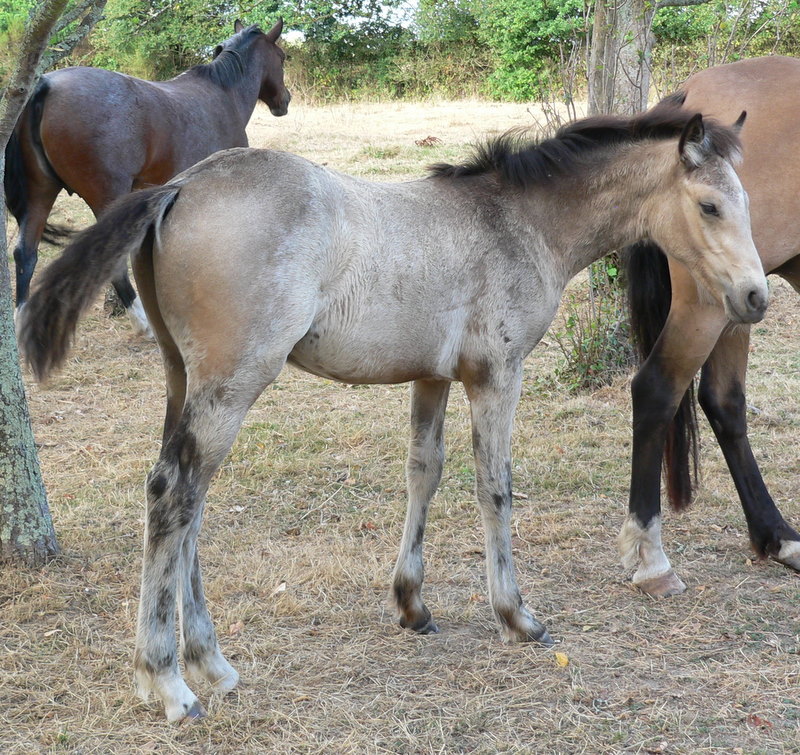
[{"x": 663, "y": 586}]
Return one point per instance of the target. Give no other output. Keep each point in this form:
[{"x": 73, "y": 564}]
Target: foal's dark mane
[
  {"x": 227, "y": 68},
  {"x": 523, "y": 164}
]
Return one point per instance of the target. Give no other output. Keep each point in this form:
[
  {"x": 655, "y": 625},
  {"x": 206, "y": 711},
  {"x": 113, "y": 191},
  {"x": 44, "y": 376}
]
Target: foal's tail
[
  {"x": 649, "y": 295},
  {"x": 72, "y": 281}
]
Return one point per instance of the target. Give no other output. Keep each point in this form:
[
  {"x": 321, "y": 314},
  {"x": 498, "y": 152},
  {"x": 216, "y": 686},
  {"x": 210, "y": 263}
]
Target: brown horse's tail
[
  {"x": 649, "y": 295},
  {"x": 15, "y": 180},
  {"x": 72, "y": 281}
]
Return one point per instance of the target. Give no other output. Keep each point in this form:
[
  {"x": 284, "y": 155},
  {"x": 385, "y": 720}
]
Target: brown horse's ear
[
  {"x": 690, "y": 145},
  {"x": 737, "y": 127},
  {"x": 275, "y": 31},
  {"x": 237, "y": 26}
]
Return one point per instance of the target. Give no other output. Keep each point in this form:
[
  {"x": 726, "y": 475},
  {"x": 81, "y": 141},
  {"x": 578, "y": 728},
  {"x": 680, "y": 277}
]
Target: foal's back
[{"x": 359, "y": 281}]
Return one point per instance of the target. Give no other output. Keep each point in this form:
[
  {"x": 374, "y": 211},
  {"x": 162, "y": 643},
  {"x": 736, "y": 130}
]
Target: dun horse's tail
[
  {"x": 72, "y": 281},
  {"x": 649, "y": 295}
]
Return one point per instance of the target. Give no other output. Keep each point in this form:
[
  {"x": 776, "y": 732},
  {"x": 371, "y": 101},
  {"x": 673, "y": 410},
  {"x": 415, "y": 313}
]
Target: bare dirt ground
[{"x": 303, "y": 525}]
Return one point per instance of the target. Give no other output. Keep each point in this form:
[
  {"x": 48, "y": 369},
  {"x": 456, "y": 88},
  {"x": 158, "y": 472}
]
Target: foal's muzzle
[{"x": 748, "y": 304}]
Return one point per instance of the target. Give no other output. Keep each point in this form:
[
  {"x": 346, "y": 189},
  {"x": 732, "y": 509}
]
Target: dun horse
[
  {"x": 697, "y": 332},
  {"x": 101, "y": 134},
  {"x": 454, "y": 277}
]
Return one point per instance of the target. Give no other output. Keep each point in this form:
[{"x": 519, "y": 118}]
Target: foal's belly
[{"x": 358, "y": 357}]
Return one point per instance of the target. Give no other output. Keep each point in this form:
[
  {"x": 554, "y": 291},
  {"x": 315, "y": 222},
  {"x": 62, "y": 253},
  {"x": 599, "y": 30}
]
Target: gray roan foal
[{"x": 253, "y": 258}]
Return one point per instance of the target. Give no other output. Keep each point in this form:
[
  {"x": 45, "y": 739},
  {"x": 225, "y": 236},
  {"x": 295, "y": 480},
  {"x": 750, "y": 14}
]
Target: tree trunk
[
  {"x": 619, "y": 60},
  {"x": 26, "y": 528}
]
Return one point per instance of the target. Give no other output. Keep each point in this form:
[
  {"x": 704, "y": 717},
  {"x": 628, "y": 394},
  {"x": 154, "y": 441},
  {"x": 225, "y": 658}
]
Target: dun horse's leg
[
  {"x": 493, "y": 391},
  {"x": 176, "y": 489},
  {"x": 657, "y": 390},
  {"x": 423, "y": 473},
  {"x": 723, "y": 400}
]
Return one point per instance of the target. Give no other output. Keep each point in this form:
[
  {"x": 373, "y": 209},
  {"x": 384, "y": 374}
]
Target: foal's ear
[
  {"x": 690, "y": 145},
  {"x": 237, "y": 26},
  {"x": 275, "y": 31},
  {"x": 737, "y": 127}
]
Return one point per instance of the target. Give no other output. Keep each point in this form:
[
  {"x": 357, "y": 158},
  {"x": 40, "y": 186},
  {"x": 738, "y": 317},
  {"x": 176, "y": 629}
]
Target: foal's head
[
  {"x": 701, "y": 217},
  {"x": 667, "y": 172}
]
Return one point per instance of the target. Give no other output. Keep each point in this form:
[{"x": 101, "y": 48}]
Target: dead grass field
[{"x": 303, "y": 525}]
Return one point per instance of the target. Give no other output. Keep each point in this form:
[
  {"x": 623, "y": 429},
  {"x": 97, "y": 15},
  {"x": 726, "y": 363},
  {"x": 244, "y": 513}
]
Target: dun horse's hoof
[
  {"x": 663, "y": 586},
  {"x": 789, "y": 554}
]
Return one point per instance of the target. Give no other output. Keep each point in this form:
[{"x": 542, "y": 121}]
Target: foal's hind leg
[
  {"x": 493, "y": 392},
  {"x": 423, "y": 473},
  {"x": 723, "y": 400},
  {"x": 176, "y": 489}
]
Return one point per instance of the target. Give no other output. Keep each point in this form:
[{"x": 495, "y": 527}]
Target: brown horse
[
  {"x": 101, "y": 134},
  {"x": 682, "y": 330},
  {"x": 451, "y": 278}
]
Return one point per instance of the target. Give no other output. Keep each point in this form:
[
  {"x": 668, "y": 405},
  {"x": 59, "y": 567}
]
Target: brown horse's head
[{"x": 273, "y": 91}]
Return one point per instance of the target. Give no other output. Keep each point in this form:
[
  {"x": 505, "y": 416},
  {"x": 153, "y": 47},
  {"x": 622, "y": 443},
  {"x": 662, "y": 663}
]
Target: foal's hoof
[
  {"x": 663, "y": 586},
  {"x": 527, "y": 630},
  {"x": 423, "y": 625},
  {"x": 196, "y": 712},
  {"x": 789, "y": 554}
]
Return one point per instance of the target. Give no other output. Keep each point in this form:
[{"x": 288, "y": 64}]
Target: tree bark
[
  {"x": 621, "y": 52},
  {"x": 26, "y": 528}
]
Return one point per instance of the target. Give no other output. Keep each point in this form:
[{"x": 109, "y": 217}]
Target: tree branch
[
  {"x": 93, "y": 10},
  {"x": 23, "y": 77},
  {"x": 678, "y": 3}
]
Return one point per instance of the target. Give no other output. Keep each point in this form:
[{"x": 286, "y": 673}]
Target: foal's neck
[{"x": 608, "y": 206}]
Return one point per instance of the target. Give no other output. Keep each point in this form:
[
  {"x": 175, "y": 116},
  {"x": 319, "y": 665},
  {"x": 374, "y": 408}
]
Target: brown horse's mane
[
  {"x": 227, "y": 68},
  {"x": 523, "y": 164}
]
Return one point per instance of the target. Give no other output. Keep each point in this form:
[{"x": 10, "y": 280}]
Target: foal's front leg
[
  {"x": 423, "y": 473},
  {"x": 493, "y": 396}
]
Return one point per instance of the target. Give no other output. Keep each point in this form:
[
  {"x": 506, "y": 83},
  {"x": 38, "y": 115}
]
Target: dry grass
[{"x": 303, "y": 525}]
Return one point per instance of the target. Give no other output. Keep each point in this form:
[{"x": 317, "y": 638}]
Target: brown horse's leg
[
  {"x": 688, "y": 336},
  {"x": 722, "y": 398},
  {"x": 99, "y": 195},
  {"x": 423, "y": 473},
  {"x": 493, "y": 390},
  {"x": 41, "y": 196}
]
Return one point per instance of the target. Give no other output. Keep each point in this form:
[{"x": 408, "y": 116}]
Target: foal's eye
[{"x": 709, "y": 208}]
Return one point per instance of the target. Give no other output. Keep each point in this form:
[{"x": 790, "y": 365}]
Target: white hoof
[{"x": 138, "y": 319}]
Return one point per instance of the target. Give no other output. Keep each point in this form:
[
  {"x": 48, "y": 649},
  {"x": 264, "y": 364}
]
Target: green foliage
[
  {"x": 594, "y": 340},
  {"x": 159, "y": 38},
  {"x": 446, "y": 22},
  {"x": 528, "y": 37}
]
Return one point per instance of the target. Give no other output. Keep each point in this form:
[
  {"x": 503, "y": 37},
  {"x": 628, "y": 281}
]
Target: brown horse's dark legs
[
  {"x": 722, "y": 398},
  {"x": 31, "y": 228}
]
